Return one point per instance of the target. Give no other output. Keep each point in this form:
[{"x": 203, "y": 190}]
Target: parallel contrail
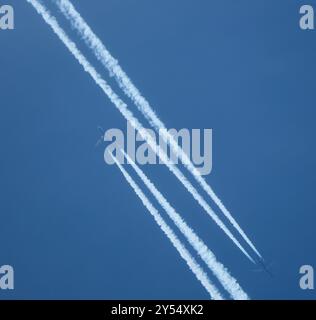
[
  {"x": 128, "y": 115},
  {"x": 222, "y": 274},
  {"x": 125, "y": 83},
  {"x": 184, "y": 253}
]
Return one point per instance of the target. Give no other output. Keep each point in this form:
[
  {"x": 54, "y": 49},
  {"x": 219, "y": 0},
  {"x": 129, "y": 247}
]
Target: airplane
[
  {"x": 101, "y": 139},
  {"x": 264, "y": 267}
]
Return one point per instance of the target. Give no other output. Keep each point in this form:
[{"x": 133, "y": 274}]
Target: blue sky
[{"x": 70, "y": 225}]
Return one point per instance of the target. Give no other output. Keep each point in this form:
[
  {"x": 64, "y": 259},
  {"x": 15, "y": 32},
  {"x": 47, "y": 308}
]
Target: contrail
[
  {"x": 222, "y": 274},
  {"x": 125, "y": 83},
  {"x": 184, "y": 253},
  {"x": 128, "y": 115}
]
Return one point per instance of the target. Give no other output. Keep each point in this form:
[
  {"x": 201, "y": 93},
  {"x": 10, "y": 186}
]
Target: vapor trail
[
  {"x": 125, "y": 83},
  {"x": 128, "y": 115},
  {"x": 222, "y": 274},
  {"x": 184, "y": 253}
]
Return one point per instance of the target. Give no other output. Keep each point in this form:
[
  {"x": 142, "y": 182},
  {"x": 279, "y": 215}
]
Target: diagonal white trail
[
  {"x": 125, "y": 83},
  {"x": 222, "y": 274},
  {"x": 128, "y": 115},
  {"x": 184, "y": 253}
]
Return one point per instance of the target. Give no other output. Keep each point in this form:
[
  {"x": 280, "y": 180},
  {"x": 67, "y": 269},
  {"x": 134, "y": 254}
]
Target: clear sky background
[{"x": 70, "y": 225}]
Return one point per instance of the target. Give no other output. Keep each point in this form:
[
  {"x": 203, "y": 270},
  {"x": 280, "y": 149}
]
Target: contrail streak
[
  {"x": 128, "y": 115},
  {"x": 222, "y": 274},
  {"x": 184, "y": 253},
  {"x": 125, "y": 83}
]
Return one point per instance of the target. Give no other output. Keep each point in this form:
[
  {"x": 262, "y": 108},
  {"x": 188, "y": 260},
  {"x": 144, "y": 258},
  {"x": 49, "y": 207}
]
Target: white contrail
[
  {"x": 128, "y": 115},
  {"x": 125, "y": 83},
  {"x": 184, "y": 253},
  {"x": 222, "y": 274}
]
